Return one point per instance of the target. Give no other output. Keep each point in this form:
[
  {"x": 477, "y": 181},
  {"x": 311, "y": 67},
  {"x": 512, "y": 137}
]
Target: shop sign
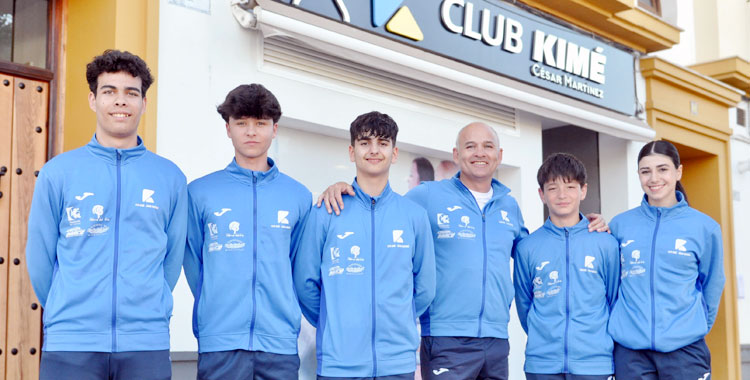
[{"x": 501, "y": 38}]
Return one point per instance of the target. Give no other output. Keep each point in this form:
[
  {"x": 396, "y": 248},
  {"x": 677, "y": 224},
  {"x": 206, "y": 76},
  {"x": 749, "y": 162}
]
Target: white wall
[
  {"x": 683, "y": 53},
  {"x": 740, "y": 150}
]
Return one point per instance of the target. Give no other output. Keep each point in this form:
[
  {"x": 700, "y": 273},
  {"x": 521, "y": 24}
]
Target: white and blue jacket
[
  {"x": 473, "y": 249},
  {"x": 566, "y": 280},
  {"x": 672, "y": 276},
  {"x": 105, "y": 245},
  {"x": 243, "y": 229},
  {"x": 362, "y": 279}
]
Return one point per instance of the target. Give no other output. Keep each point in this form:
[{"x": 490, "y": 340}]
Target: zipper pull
[
  {"x": 373, "y": 202},
  {"x": 255, "y": 179},
  {"x": 119, "y": 155},
  {"x": 566, "y": 232}
]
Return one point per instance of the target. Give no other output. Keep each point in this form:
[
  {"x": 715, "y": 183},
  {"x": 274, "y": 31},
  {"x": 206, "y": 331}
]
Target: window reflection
[{"x": 23, "y": 31}]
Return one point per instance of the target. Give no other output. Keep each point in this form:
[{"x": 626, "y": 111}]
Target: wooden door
[
  {"x": 6, "y": 125},
  {"x": 23, "y": 147}
]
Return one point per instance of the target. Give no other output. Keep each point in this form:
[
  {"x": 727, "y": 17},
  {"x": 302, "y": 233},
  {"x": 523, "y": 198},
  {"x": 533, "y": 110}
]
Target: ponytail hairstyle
[{"x": 665, "y": 148}]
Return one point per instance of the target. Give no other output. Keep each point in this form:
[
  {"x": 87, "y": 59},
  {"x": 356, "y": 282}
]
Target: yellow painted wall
[
  {"x": 701, "y": 132},
  {"x": 92, "y": 27},
  {"x": 722, "y": 29}
]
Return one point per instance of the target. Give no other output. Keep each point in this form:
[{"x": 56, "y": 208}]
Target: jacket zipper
[
  {"x": 117, "y": 250},
  {"x": 255, "y": 256},
  {"x": 374, "y": 304},
  {"x": 484, "y": 273},
  {"x": 567, "y": 298},
  {"x": 653, "y": 301}
]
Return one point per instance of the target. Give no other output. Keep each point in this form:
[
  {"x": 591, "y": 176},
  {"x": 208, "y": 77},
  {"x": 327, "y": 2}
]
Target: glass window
[
  {"x": 6, "y": 29},
  {"x": 23, "y": 31},
  {"x": 651, "y": 6}
]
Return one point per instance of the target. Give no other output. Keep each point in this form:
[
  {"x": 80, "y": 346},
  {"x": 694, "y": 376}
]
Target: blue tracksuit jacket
[
  {"x": 362, "y": 279},
  {"x": 566, "y": 280},
  {"x": 672, "y": 276},
  {"x": 243, "y": 228},
  {"x": 473, "y": 248},
  {"x": 105, "y": 245}
]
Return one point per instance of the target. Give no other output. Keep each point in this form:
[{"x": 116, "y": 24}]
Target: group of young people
[{"x": 112, "y": 224}]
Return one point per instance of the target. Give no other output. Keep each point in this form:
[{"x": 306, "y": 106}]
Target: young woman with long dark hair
[{"x": 672, "y": 277}]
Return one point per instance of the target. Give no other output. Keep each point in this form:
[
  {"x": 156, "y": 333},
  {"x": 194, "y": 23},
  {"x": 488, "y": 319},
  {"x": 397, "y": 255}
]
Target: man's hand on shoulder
[
  {"x": 597, "y": 223},
  {"x": 332, "y": 197}
]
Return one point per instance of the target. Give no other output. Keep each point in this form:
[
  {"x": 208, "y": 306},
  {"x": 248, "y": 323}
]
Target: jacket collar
[
  {"x": 498, "y": 189},
  {"x": 110, "y": 154},
  {"x": 247, "y": 176},
  {"x": 652, "y": 211},
  {"x": 581, "y": 226},
  {"x": 366, "y": 200}
]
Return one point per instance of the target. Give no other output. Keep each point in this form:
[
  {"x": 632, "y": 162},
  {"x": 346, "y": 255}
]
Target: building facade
[{"x": 596, "y": 79}]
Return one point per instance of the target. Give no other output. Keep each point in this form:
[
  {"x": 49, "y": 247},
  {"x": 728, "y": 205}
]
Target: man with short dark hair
[
  {"x": 244, "y": 224},
  {"x": 106, "y": 239},
  {"x": 362, "y": 278}
]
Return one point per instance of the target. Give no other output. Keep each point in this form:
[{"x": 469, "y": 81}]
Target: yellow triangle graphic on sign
[{"x": 404, "y": 24}]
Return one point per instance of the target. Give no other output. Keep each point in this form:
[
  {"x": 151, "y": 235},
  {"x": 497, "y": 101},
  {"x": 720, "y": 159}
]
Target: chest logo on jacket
[
  {"x": 335, "y": 254},
  {"x": 355, "y": 251},
  {"x": 467, "y": 232},
  {"x": 505, "y": 220},
  {"x": 74, "y": 232},
  {"x": 554, "y": 278},
  {"x": 443, "y": 220},
  {"x": 636, "y": 268},
  {"x": 679, "y": 248},
  {"x": 74, "y": 215},
  {"x": 98, "y": 210},
  {"x": 213, "y": 230},
  {"x": 222, "y": 212},
  {"x": 235, "y": 244},
  {"x": 281, "y": 220},
  {"x": 588, "y": 264},
  {"x": 100, "y": 227},
  {"x": 147, "y": 199},
  {"x": 85, "y": 195},
  {"x": 398, "y": 240},
  {"x": 345, "y": 235}
]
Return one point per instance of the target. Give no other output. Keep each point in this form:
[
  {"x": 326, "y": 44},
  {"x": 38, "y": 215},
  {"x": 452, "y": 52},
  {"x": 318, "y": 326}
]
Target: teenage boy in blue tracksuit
[
  {"x": 566, "y": 282},
  {"x": 244, "y": 224},
  {"x": 475, "y": 224},
  {"x": 363, "y": 278},
  {"x": 106, "y": 239}
]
